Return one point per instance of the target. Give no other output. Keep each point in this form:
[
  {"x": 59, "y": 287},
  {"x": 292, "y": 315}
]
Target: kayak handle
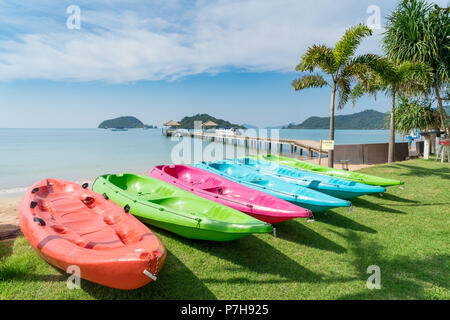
[
  {"x": 85, "y": 185},
  {"x": 88, "y": 201},
  {"x": 148, "y": 272},
  {"x": 127, "y": 208},
  {"x": 39, "y": 220}
]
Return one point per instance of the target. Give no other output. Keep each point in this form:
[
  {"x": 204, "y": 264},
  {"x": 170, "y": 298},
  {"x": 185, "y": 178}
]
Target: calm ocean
[{"x": 28, "y": 155}]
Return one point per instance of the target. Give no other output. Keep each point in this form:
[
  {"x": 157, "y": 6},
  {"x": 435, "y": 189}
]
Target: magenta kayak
[{"x": 210, "y": 186}]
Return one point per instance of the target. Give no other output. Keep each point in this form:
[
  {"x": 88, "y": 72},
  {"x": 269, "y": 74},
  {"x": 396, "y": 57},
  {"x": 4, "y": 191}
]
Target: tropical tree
[
  {"x": 408, "y": 78},
  {"x": 415, "y": 114},
  {"x": 418, "y": 31},
  {"x": 338, "y": 68}
]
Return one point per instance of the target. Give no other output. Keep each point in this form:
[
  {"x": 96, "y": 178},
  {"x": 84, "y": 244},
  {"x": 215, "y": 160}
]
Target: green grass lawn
[{"x": 406, "y": 233}]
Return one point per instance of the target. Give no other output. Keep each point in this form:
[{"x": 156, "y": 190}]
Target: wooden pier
[{"x": 306, "y": 148}]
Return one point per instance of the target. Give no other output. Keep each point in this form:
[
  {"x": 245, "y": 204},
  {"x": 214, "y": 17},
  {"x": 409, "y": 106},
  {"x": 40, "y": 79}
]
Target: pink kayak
[{"x": 210, "y": 186}]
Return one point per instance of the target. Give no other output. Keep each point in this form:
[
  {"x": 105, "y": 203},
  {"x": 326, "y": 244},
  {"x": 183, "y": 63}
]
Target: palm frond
[
  {"x": 317, "y": 56},
  {"x": 347, "y": 46},
  {"x": 309, "y": 81},
  {"x": 357, "y": 92},
  {"x": 415, "y": 78},
  {"x": 415, "y": 31},
  {"x": 415, "y": 114}
]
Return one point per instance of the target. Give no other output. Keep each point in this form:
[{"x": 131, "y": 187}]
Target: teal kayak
[
  {"x": 307, "y": 198},
  {"x": 339, "y": 188},
  {"x": 332, "y": 172},
  {"x": 168, "y": 207}
]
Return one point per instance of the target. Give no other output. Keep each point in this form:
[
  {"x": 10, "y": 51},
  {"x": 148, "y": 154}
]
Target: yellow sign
[{"x": 327, "y": 144}]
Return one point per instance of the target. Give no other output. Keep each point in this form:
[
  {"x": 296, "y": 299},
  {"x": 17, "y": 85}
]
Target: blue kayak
[
  {"x": 339, "y": 188},
  {"x": 290, "y": 191}
]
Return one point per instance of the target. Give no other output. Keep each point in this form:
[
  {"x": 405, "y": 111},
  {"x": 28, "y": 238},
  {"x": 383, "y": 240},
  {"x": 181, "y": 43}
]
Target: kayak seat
[
  {"x": 110, "y": 220},
  {"x": 103, "y": 239},
  {"x": 164, "y": 191},
  {"x": 129, "y": 236},
  {"x": 210, "y": 182},
  {"x": 314, "y": 184},
  {"x": 75, "y": 218},
  {"x": 217, "y": 190},
  {"x": 79, "y": 224},
  {"x": 59, "y": 228}
]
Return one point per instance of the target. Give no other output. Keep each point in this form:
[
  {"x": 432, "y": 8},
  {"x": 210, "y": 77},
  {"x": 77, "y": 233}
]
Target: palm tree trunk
[
  {"x": 391, "y": 150},
  {"x": 441, "y": 108},
  {"x": 331, "y": 152}
]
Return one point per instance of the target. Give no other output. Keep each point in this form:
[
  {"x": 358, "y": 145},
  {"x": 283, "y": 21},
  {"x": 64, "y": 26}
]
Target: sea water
[{"x": 28, "y": 155}]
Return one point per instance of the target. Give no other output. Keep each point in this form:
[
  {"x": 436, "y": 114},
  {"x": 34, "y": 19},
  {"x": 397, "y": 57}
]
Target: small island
[
  {"x": 188, "y": 122},
  {"x": 365, "y": 120},
  {"x": 127, "y": 122}
]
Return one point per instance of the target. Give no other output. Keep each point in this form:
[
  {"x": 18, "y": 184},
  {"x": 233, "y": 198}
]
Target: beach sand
[
  {"x": 9, "y": 220},
  {"x": 351, "y": 167},
  {"x": 9, "y": 206}
]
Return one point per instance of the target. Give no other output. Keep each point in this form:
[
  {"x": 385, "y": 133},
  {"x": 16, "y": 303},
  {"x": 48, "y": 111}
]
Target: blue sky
[{"x": 164, "y": 59}]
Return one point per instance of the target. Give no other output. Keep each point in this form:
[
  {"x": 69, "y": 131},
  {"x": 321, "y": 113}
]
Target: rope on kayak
[{"x": 149, "y": 272}]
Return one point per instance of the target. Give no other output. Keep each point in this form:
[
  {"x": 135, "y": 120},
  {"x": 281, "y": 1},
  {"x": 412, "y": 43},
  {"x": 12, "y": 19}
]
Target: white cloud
[{"x": 211, "y": 36}]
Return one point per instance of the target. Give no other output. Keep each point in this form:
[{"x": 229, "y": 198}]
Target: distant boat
[
  {"x": 228, "y": 132},
  {"x": 119, "y": 129}
]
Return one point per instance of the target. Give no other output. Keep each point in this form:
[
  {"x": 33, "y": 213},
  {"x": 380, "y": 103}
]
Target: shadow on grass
[
  {"x": 9, "y": 231},
  {"x": 421, "y": 204},
  {"x": 22, "y": 268},
  {"x": 374, "y": 206},
  {"x": 296, "y": 232},
  {"x": 424, "y": 172},
  {"x": 6, "y": 248},
  {"x": 254, "y": 255},
  {"x": 391, "y": 197},
  {"x": 175, "y": 281},
  {"x": 402, "y": 277},
  {"x": 341, "y": 221}
]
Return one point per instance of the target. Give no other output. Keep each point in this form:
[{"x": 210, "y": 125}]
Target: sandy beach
[
  {"x": 9, "y": 206},
  {"x": 9, "y": 221}
]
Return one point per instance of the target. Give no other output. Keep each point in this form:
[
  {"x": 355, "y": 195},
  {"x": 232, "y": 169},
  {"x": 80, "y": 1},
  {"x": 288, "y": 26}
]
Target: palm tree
[
  {"x": 338, "y": 67},
  {"x": 408, "y": 78},
  {"x": 416, "y": 31},
  {"x": 415, "y": 114}
]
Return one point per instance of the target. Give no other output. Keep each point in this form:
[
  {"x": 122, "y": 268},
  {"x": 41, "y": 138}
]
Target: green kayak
[
  {"x": 168, "y": 207},
  {"x": 337, "y": 173}
]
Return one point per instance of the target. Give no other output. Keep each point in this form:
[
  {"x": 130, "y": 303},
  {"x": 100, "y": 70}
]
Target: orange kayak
[{"x": 69, "y": 225}]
